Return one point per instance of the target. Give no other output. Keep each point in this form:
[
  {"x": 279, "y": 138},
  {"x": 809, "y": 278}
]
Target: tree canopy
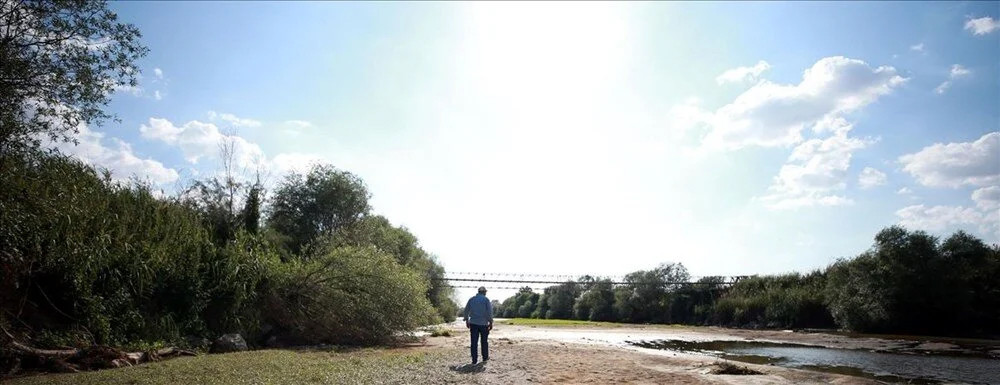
[
  {"x": 321, "y": 202},
  {"x": 59, "y": 63}
]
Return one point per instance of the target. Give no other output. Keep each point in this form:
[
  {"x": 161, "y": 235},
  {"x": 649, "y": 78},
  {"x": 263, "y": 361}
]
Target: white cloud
[
  {"x": 743, "y": 74},
  {"x": 815, "y": 172},
  {"x": 233, "y": 120},
  {"x": 157, "y": 96},
  {"x": 871, "y": 177},
  {"x": 940, "y": 218},
  {"x": 982, "y": 25},
  {"x": 770, "y": 114},
  {"x": 957, "y": 71},
  {"x": 904, "y": 191},
  {"x": 197, "y": 140},
  {"x": 941, "y": 88},
  {"x": 294, "y": 162},
  {"x": 299, "y": 123},
  {"x": 200, "y": 140},
  {"x": 295, "y": 127},
  {"x": 956, "y": 164},
  {"x": 917, "y": 47},
  {"x": 987, "y": 198},
  {"x": 158, "y": 72},
  {"x": 117, "y": 158}
]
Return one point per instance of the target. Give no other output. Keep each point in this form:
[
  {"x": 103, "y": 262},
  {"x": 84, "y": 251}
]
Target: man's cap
[{"x": 482, "y": 289}]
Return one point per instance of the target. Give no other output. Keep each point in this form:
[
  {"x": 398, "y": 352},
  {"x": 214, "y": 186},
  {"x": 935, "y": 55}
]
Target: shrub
[
  {"x": 348, "y": 296},
  {"x": 89, "y": 254}
]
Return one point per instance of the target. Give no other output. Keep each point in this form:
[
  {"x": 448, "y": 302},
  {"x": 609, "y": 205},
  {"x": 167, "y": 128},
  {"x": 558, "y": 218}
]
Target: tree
[
  {"x": 908, "y": 283},
  {"x": 645, "y": 297},
  {"x": 217, "y": 198},
  {"x": 560, "y": 300},
  {"x": 251, "y": 209},
  {"x": 521, "y": 304},
  {"x": 496, "y": 308},
  {"x": 60, "y": 61},
  {"x": 377, "y": 231},
  {"x": 321, "y": 202},
  {"x": 597, "y": 303}
]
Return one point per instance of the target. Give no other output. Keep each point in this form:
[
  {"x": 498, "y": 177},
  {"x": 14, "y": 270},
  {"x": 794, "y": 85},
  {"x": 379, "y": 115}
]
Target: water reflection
[{"x": 911, "y": 368}]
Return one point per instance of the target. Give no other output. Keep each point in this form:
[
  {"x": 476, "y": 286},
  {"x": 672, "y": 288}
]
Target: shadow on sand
[{"x": 469, "y": 368}]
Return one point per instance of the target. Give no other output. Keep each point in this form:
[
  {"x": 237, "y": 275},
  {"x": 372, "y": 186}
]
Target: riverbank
[
  {"x": 442, "y": 360},
  {"x": 522, "y": 351}
]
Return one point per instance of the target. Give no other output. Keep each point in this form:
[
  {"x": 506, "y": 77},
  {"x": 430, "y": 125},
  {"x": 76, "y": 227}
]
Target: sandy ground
[{"x": 520, "y": 354}]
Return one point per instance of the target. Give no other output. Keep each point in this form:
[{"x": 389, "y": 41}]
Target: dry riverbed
[
  {"x": 520, "y": 354},
  {"x": 585, "y": 354}
]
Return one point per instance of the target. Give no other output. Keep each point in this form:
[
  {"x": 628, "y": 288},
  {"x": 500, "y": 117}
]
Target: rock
[{"x": 232, "y": 342}]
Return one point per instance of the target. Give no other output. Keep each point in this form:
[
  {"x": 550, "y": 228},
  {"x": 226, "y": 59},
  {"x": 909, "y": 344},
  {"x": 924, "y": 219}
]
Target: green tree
[
  {"x": 59, "y": 63},
  {"x": 515, "y": 306},
  {"x": 252, "y": 207},
  {"x": 905, "y": 283},
  {"x": 543, "y": 304},
  {"x": 321, "y": 202},
  {"x": 645, "y": 296},
  {"x": 596, "y": 303},
  {"x": 560, "y": 300}
]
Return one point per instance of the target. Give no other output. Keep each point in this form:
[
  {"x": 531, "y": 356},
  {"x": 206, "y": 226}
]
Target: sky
[{"x": 598, "y": 138}]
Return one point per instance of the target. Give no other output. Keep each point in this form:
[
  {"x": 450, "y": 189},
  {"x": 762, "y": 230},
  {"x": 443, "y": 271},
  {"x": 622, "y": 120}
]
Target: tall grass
[{"x": 85, "y": 259}]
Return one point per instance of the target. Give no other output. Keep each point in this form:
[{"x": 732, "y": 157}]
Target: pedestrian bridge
[{"x": 515, "y": 281}]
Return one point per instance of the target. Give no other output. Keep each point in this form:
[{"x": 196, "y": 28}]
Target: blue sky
[{"x": 736, "y": 138}]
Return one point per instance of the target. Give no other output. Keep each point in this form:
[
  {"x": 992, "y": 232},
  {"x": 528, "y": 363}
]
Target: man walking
[{"x": 479, "y": 319}]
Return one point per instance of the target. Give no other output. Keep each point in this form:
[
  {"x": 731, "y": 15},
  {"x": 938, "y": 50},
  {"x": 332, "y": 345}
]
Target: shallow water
[{"x": 894, "y": 367}]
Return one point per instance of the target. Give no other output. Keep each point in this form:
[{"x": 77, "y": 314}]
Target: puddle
[{"x": 889, "y": 367}]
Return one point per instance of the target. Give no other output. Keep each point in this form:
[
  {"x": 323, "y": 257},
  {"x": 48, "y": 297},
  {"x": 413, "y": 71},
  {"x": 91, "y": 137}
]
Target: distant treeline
[
  {"x": 908, "y": 282},
  {"x": 85, "y": 259}
]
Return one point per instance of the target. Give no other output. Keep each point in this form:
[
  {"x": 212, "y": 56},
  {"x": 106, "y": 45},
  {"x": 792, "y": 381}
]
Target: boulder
[{"x": 232, "y": 342}]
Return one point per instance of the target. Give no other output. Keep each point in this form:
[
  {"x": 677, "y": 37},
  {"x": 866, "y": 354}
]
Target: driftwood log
[{"x": 21, "y": 356}]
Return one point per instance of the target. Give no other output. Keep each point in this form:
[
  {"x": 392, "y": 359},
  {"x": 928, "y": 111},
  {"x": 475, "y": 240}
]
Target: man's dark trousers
[{"x": 481, "y": 333}]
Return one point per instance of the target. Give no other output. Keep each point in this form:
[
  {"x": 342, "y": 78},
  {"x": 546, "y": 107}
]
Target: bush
[
  {"x": 95, "y": 256},
  {"x": 351, "y": 296},
  {"x": 782, "y": 301}
]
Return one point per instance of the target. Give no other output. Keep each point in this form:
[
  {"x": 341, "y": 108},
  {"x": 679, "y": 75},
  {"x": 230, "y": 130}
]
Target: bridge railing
[{"x": 724, "y": 281}]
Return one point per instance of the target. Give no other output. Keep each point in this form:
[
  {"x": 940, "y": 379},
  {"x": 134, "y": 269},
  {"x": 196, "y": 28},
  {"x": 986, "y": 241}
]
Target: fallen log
[
  {"x": 28, "y": 350},
  {"x": 89, "y": 358}
]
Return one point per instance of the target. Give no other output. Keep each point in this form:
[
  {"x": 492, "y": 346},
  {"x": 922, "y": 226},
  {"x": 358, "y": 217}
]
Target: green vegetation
[
  {"x": 909, "y": 282},
  {"x": 90, "y": 260},
  {"x": 261, "y": 367},
  {"x": 85, "y": 259}
]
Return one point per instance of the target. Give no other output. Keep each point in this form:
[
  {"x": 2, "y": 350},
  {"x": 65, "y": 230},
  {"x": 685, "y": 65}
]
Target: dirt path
[{"x": 525, "y": 355}]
